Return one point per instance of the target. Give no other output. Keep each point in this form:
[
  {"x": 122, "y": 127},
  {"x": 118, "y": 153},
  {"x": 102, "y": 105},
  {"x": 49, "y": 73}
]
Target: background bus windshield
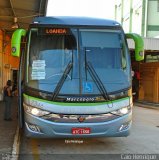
[{"x": 103, "y": 50}]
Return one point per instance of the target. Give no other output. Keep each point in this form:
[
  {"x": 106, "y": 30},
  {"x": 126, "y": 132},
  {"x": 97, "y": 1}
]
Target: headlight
[
  {"x": 122, "y": 111},
  {"x": 118, "y": 95},
  {"x": 35, "y": 111}
]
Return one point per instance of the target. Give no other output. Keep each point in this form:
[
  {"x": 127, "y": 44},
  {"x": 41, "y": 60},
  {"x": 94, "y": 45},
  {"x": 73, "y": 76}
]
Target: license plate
[{"x": 81, "y": 130}]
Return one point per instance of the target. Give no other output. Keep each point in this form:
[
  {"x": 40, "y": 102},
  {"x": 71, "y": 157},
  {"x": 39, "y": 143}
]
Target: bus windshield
[{"x": 50, "y": 54}]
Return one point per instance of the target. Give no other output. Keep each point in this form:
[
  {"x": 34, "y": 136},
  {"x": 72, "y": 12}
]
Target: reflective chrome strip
[
  {"x": 88, "y": 108},
  {"x": 80, "y": 118}
]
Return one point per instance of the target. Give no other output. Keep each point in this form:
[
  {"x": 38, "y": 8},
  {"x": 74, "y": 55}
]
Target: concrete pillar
[
  {"x": 131, "y": 13},
  {"x": 144, "y": 18},
  {"x": 122, "y": 8},
  {"x": 115, "y": 12}
]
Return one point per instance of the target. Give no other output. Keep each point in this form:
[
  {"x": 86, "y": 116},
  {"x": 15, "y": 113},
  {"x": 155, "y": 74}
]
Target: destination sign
[{"x": 54, "y": 31}]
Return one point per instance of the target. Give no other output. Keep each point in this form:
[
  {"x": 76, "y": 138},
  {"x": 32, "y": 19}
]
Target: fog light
[
  {"x": 33, "y": 127},
  {"x": 124, "y": 110},
  {"x": 124, "y": 126}
]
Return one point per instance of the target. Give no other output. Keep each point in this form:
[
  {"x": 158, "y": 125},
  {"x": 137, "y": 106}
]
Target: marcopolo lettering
[{"x": 80, "y": 99}]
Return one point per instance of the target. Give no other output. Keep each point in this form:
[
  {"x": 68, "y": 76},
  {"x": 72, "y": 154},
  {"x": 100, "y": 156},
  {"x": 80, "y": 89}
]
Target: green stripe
[
  {"x": 74, "y": 104},
  {"x": 153, "y": 27}
]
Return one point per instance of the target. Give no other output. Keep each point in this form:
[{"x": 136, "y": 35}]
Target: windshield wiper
[
  {"x": 62, "y": 80},
  {"x": 97, "y": 80}
]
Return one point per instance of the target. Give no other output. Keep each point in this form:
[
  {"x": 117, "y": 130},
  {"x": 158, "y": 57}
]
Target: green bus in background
[{"x": 75, "y": 77}]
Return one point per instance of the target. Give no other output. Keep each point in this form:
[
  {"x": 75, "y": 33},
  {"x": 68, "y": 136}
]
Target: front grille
[{"x": 61, "y": 118}]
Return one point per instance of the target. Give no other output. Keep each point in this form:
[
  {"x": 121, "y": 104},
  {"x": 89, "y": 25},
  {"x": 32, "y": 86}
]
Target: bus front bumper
[{"x": 36, "y": 127}]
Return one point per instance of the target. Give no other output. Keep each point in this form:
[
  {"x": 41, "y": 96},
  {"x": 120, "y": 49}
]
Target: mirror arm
[
  {"x": 16, "y": 41},
  {"x": 139, "y": 45}
]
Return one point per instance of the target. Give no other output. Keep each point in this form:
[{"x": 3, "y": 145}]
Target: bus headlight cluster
[
  {"x": 122, "y": 111},
  {"x": 35, "y": 111}
]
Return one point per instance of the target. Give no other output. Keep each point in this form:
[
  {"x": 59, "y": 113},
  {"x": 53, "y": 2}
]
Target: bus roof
[{"x": 75, "y": 21}]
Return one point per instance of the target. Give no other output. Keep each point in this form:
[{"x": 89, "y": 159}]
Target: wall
[
  {"x": 126, "y": 15},
  {"x": 118, "y": 10},
  {"x": 149, "y": 82},
  {"x": 7, "y": 61},
  {"x": 1, "y": 51},
  {"x": 137, "y": 17},
  {"x": 129, "y": 14},
  {"x": 152, "y": 18}
]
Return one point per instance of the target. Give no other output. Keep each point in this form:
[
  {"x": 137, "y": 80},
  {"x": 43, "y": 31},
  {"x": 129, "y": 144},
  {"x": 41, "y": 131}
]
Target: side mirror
[
  {"x": 139, "y": 45},
  {"x": 16, "y": 40}
]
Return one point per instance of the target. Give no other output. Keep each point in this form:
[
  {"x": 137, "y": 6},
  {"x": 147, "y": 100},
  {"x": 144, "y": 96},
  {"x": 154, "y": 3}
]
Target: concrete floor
[
  {"x": 144, "y": 139},
  {"x": 8, "y": 128}
]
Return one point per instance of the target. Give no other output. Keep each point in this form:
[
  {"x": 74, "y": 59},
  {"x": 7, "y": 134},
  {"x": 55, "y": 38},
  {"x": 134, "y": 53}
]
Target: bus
[{"x": 75, "y": 77}]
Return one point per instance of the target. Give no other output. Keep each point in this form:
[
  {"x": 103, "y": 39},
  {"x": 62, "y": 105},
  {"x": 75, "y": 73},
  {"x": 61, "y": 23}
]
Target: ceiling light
[{"x": 15, "y": 24}]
